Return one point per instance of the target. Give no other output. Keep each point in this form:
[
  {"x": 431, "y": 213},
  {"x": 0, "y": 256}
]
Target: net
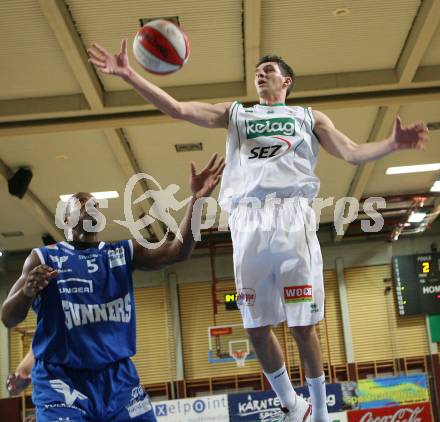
[{"x": 239, "y": 357}]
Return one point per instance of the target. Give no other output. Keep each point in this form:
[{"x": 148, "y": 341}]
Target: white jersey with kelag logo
[{"x": 270, "y": 150}]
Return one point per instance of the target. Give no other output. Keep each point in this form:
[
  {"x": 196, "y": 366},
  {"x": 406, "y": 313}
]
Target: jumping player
[
  {"x": 272, "y": 150},
  {"x": 82, "y": 292}
]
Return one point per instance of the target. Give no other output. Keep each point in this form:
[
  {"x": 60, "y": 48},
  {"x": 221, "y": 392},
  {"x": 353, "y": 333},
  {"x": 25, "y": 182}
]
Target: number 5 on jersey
[{"x": 92, "y": 267}]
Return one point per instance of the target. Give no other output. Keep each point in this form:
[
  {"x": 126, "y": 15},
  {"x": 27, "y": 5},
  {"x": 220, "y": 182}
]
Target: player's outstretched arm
[
  {"x": 202, "y": 114},
  {"x": 33, "y": 280},
  {"x": 336, "y": 143},
  {"x": 202, "y": 184}
]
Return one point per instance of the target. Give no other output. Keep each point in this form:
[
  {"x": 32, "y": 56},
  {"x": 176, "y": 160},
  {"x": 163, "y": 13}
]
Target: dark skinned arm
[
  {"x": 34, "y": 278},
  {"x": 202, "y": 184}
]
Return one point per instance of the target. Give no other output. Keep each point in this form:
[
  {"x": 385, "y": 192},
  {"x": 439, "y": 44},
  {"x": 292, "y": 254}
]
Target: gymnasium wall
[
  {"x": 377, "y": 330},
  {"x": 378, "y": 333}
]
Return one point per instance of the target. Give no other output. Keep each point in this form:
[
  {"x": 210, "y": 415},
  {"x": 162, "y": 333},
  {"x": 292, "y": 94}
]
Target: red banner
[
  {"x": 221, "y": 331},
  {"x": 420, "y": 412}
]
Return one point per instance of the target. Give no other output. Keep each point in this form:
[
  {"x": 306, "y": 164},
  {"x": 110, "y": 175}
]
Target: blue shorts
[{"x": 112, "y": 394}]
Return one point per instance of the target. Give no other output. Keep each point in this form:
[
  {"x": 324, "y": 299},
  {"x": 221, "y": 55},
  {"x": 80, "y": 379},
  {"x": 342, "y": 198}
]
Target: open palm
[
  {"x": 414, "y": 136},
  {"x": 113, "y": 64},
  {"x": 203, "y": 183}
]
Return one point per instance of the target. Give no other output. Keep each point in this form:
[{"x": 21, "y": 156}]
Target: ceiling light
[
  {"x": 1, "y": 253},
  {"x": 413, "y": 169},
  {"x": 436, "y": 186},
  {"x": 416, "y": 217},
  {"x": 341, "y": 11},
  {"x": 12, "y": 234},
  {"x": 433, "y": 125},
  {"x": 98, "y": 195},
  {"x": 195, "y": 146}
]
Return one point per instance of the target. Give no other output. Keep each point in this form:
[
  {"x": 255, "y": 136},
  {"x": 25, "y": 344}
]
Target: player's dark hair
[{"x": 285, "y": 69}]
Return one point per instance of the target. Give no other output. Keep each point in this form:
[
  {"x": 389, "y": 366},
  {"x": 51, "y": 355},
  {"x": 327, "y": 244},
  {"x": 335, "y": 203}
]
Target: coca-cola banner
[
  {"x": 420, "y": 412},
  {"x": 392, "y": 391}
]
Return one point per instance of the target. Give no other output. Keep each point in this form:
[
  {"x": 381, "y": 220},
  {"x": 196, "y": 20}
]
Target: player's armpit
[
  {"x": 204, "y": 114},
  {"x": 155, "y": 259}
]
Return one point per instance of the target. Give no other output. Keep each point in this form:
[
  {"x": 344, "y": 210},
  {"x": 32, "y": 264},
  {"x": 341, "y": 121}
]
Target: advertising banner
[
  {"x": 198, "y": 409},
  {"x": 419, "y": 412},
  {"x": 379, "y": 392},
  {"x": 338, "y": 417},
  {"x": 258, "y": 405}
]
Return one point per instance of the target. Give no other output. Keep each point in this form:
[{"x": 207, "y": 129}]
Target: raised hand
[
  {"x": 37, "y": 280},
  {"x": 16, "y": 383},
  {"x": 203, "y": 183},
  {"x": 414, "y": 136},
  {"x": 112, "y": 64}
]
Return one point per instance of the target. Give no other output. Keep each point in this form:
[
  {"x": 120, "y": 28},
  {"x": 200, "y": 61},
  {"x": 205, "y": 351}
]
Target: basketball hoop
[{"x": 240, "y": 357}]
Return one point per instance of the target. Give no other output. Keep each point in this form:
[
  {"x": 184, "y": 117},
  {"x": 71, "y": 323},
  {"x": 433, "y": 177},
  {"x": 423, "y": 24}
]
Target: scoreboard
[
  {"x": 417, "y": 282},
  {"x": 231, "y": 301}
]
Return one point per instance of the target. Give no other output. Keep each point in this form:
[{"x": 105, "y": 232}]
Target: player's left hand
[
  {"x": 203, "y": 183},
  {"x": 16, "y": 383},
  {"x": 414, "y": 136}
]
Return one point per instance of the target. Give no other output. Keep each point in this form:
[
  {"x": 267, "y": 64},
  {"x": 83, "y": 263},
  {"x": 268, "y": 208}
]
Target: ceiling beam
[
  {"x": 419, "y": 38},
  {"x": 124, "y": 155},
  {"x": 252, "y": 41},
  {"x": 313, "y": 86},
  {"x": 61, "y": 22},
  {"x": 426, "y": 75},
  {"x": 216, "y": 92},
  {"x": 381, "y": 129},
  {"x": 43, "y": 107},
  {"x": 59, "y": 19},
  {"x": 139, "y": 118},
  {"x": 115, "y": 102},
  {"x": 35, "y": 207}
]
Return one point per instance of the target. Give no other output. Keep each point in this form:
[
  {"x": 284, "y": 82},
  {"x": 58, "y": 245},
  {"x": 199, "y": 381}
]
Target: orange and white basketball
[{"x": 161, "y": 47}]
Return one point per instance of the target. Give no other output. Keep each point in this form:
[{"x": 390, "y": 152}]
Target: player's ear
[{"x": 287, "y": 81}]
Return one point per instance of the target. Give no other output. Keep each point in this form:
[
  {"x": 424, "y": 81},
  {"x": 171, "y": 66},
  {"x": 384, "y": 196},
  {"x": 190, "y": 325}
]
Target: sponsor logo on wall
[
  {"x": 389, "y": 391},
  {"x": 200, "y": 409},
  {"x": 257, "y": 406},
  {"x": 408, "y": 413}
]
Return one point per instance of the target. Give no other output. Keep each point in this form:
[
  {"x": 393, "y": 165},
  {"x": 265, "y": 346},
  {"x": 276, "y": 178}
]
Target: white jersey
[{"x": 270, "y": 150}]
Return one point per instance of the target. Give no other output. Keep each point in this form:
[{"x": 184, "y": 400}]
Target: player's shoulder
[
  {"x": 299, "y": 109},
  {"x": 46, "y": 253},
  {"x": 51, "y": 247},
  {"x": 234, "y": 106},
  {"x": 118, "y": 246}
]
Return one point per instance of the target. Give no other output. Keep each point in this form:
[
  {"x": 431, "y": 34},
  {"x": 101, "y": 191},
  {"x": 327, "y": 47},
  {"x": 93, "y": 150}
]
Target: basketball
[{"x": 161, "y": 47}]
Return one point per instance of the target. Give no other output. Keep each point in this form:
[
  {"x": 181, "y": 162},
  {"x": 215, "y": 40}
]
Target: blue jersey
[{"x": 86, "y": 314}]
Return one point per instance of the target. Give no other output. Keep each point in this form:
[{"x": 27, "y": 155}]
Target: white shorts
[{"x": 277, "y": 264}]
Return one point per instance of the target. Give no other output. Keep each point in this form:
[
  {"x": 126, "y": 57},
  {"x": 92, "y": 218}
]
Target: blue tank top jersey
[{"x": 86, "y": 315}]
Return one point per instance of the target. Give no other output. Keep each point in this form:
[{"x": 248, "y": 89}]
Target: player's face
[
  {"x": 83, "y": 202},
  {"x": 269, "y": 80}
]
